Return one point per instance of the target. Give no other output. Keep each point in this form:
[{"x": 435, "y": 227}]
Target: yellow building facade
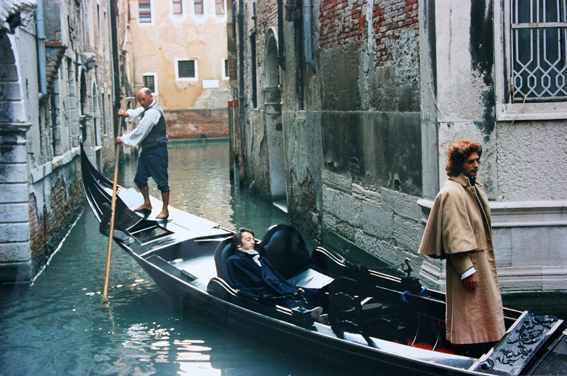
[{"x": 178, "y": 48}]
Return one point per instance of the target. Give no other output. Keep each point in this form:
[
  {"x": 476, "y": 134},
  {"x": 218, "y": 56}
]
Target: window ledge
[{"x": 531, "y": 111}]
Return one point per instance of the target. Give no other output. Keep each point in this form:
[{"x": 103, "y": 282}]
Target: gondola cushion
[
  {"x": 286, "y": 250},
  {"x": 224, "y": 250}
]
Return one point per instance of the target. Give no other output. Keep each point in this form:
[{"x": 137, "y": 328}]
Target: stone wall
[{"x": 371, "y": 125}]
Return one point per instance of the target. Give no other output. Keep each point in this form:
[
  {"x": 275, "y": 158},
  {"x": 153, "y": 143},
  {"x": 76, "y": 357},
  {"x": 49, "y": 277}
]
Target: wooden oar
[{"x": 112, "y": 216}]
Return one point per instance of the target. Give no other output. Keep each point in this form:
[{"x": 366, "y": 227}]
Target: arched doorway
[{"x": 273, "y": 121}]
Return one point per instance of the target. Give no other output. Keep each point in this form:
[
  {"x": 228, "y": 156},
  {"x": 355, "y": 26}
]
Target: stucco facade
[
  {"x": 56, "y": 89},
  {"x": 181, "y": 50},
  {"x": 359, "y": 102}
]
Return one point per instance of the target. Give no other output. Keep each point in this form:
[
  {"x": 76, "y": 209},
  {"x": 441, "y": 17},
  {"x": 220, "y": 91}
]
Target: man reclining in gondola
[{"x": 251, "y": 272}]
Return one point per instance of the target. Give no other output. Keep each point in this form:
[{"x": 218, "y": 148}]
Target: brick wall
[
  {"x": 197, "y": 123},
  {"x": 388, "y": 20},
  {"x": 49, "y": 226},
  {"x": 343, "y": 21}
]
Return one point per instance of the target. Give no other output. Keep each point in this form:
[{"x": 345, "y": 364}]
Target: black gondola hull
[{"x": 179, "y": 257}]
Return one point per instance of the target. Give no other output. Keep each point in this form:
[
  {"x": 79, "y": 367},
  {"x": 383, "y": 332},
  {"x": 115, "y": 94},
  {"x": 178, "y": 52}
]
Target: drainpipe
[
  {"x": 241, "y": 54},
  {"x": 308, "y": 7},
  {"x": 115, "y": 64},
  {"x": 40, "y": 28},
  {"x": 281, "y": 46},
  {"x": 234, "y": 21}
]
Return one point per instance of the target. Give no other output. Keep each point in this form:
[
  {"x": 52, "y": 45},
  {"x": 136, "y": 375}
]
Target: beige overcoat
[{"x": 460, "y": 231}]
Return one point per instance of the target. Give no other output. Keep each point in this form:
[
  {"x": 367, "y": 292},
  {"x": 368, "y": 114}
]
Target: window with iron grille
[
  {"x": 177, "y": 6},
  {"x": 145, "y": 10},
  {"x": 150, "y": 82},
  {"x": 539, "y": 53},
  {"x": 186, "y": 68},
  {"x": 198, "y": 6}
]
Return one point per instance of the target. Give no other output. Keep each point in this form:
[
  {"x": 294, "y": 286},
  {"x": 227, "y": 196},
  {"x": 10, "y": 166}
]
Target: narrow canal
[{"x": 59, "y": 326}]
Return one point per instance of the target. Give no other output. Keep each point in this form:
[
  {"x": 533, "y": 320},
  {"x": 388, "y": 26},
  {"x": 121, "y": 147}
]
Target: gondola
[{"x": 378, "y": 324}]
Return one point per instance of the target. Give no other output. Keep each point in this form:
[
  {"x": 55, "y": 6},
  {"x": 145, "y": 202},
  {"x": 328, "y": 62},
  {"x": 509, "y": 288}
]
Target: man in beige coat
[{"x": 459, "y": 229}]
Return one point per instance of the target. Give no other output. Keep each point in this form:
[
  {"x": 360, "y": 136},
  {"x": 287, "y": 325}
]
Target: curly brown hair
[{"x": 458, "y": 153}]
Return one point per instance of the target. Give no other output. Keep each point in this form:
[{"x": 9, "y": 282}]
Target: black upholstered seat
[
  {"x": 284, "y": 246},
  {"x": 224, "y": 250}
]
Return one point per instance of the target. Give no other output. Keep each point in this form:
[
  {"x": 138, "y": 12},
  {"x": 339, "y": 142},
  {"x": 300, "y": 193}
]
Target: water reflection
[{"x": 58, "y": 326}]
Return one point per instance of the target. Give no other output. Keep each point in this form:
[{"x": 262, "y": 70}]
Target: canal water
[{"x": 59, "y": 325}]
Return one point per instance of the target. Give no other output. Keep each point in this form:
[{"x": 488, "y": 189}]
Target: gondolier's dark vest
[{"x": 158, "y": 134}]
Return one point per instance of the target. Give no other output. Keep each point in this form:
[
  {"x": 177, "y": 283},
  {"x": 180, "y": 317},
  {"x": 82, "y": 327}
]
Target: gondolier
[
  {"x": 459, "y": 229},
  {"x": 151, "y": 134}
]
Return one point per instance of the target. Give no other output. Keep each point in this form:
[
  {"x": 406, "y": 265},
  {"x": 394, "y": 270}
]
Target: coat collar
[{"x": 463, "y": 180}]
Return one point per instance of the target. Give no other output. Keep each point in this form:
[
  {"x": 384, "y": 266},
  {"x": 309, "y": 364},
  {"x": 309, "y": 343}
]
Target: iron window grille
[
  {"x": 186, "y": 68},
  {"x": 539, "y": 52},
  {"x": 150, "y": 83}
]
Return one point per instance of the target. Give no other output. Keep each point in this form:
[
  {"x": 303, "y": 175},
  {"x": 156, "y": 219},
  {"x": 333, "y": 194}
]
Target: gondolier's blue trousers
[{"x": 153, "y": 162}]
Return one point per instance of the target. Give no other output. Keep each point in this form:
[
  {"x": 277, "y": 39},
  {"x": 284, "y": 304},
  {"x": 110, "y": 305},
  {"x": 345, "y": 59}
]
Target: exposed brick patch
[
  {"x": 232, "y": 69},
  {"x": 343, "y": 22},
  {"x": 48, "y": 228},
  {"x": 389, "y": 18},
  {"x": 197, "y": 123}
]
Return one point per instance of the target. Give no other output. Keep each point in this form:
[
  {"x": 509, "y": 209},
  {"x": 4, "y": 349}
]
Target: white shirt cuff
[{"x": 468, "y": 273}]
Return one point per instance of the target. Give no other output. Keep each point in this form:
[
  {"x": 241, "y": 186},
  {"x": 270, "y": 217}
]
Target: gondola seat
[
  {"x": 224, "y": 250},
  {"x": 284, "y": 246}
]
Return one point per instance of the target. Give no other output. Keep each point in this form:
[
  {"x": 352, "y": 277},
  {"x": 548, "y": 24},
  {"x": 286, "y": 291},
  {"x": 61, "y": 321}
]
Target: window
[
  {"x": 219, "y": 7},
  {"x": 225, "y": 70},
  {"x": 539, "y": 63},
  {"x": 150, "y": 82},
  {"x": 186, "y": 69},
  {"x": 99, "y": 26},
  {"x": 177, "y": 6},
  {"x": 145, "y": 10},
  {"x": 198, "y": 6}
]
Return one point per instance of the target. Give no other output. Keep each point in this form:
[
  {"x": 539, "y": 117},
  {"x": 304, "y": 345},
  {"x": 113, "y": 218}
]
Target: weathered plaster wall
[
  {"x": 465, "y": 83},
  {"x": 257, "y": 120},
  {"x": 521, "y": 154},
  {"x": 370, "y": 121},
  {"x": 530, "y": 160},
  {"x": 303, "y": 155}
]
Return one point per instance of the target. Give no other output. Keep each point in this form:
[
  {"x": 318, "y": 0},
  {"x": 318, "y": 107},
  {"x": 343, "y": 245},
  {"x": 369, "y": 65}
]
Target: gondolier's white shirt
[{"x": 147, "y": 122}]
